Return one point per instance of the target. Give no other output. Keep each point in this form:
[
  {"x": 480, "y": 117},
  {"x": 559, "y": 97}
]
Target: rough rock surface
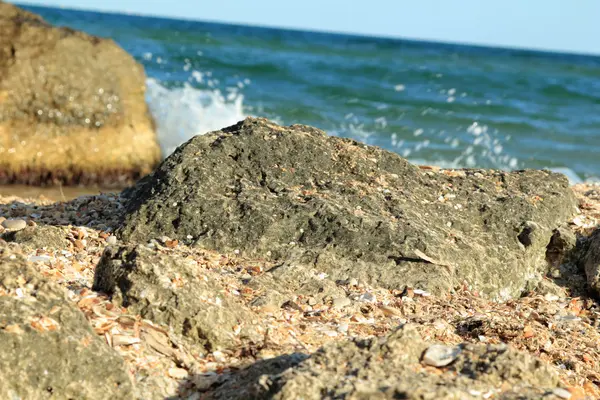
[
  {"x": 286, "y": 282},
  {"x": 393, "y": 368},
  {"x": 39, "y": 237},
  {"x": 351, "y": 210},
  {"x": 72, "y": 106},
  {"x": 174, "y": 291},
  {"x": 590, "y": 261},
  {"x": 47, "y": 348}
]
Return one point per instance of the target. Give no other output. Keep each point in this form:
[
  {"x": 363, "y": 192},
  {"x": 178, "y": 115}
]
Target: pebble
[
  {"x": 562, "y": 393},
  {"x": 368, "y": 297},
  {"x": 440, "y": 355},
  {"x": 178, "y": 373},
  {"x": 14, "y": 224},
  {"x": 111, "y": 239},
  {"x": 341, "y": 302},
  {"x": 39, "y": 258}
]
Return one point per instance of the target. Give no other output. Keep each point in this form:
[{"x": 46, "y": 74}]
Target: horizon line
[{"x": 323, "y": 31}]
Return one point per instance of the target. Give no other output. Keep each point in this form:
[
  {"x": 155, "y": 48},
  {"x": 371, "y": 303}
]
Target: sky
[{"x": 556, "y": 25}]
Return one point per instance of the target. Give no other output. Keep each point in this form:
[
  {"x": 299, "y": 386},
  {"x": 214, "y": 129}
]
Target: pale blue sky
[{"x": 562, "y": 25}]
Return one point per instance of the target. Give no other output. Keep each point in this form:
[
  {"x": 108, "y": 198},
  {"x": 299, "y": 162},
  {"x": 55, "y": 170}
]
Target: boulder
[
  {"x": 294, "y": 194},
  {"x": 399, "y": 366},
  {"x": 47, "y": 348},
  {"x": 177, "y": 292},
  {"x": 72, "y": 106}
]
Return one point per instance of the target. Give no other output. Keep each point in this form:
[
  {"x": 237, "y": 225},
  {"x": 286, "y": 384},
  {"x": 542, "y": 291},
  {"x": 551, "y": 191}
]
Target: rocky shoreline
[{"x": 131, "y": 305}]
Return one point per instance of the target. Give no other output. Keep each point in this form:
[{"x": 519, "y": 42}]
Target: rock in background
[
  {"x": 294, "y": 194},
  {"x": 47, "y": 348},
  {"x": 72, "y": 106}
]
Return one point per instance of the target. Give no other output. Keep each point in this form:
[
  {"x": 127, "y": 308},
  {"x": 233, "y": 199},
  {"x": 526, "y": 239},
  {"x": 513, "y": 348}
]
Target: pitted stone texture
[{"x": 351, "y": 210}]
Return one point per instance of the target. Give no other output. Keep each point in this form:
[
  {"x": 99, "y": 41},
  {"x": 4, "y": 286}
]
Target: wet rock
[
  {"x": 389, "y": 368},
  {"x": 47, "y": 348},
  {"x": 39, "y": 237},
  {"x": 294, "y": 194},
  {"x": 72, "y": 106},
  {"x": 175, "y": 291}
]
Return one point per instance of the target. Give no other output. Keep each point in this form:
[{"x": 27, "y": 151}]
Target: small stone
[
  {"x": 368, "y": 297},
  {"x": 164, "y": 239},
  {"x": 341, "y": 302},
  {"x": 353, "y": 282},
  {"x": 111, "y": 240},
  {"x": 178, "y": 373},
  {"x": 31, "y": 223},
  {"x": 312, "y": 301},
  {"x": 562, "y": 393},
  {"x": 14, "y": 224},
  {"x": 219, "y": 356},
  {"x": 440, "y": 355}
]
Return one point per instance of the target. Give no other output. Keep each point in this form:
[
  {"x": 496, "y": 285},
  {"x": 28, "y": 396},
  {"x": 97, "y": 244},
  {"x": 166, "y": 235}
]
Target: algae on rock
[{"x": 294, "y": 194}]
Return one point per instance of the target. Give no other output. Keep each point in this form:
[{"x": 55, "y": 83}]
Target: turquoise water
[{"x": 441, "y": 104}]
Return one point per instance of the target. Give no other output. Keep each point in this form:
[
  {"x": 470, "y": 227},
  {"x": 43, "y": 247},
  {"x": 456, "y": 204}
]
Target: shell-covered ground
[{"x": 558, "y": 322}]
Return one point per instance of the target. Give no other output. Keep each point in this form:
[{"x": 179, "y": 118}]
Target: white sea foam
[{"x": 181, "y": 113}]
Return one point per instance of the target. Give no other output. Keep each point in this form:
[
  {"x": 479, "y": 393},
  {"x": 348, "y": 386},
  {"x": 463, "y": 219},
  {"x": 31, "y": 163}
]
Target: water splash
[{"x": 183, "y": 112}]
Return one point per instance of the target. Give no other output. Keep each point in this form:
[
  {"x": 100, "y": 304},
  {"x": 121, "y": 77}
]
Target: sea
[{"x": 439, "y": 104}]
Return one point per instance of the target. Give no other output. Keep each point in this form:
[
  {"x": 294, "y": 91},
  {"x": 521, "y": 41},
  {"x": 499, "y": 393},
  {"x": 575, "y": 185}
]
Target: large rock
[
  {"x": 294, "y": 194},
  {"x": 398, "y": 367},
  {"x": 176, "y": 292},
  {"x": 72, "y": 106},
  {"x": 47, "y": 348}
]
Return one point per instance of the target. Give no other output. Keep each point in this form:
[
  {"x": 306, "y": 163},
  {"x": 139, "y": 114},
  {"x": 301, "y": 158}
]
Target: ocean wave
[{"x": 183, "y": 112}]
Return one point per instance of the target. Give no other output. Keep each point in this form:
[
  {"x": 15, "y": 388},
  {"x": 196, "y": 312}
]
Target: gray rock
[
  {"x": 14, "y": 224},
  {"x": 38, "y": 237},
  {"x": 175, "y": 291},
  {"x": 389, "y": 368},
  {"x": 47, "y": 348},
  {"x": 590, "y": 261},
  {"x": 348, "y": 209},
  {"x": 562, "y": 243}
]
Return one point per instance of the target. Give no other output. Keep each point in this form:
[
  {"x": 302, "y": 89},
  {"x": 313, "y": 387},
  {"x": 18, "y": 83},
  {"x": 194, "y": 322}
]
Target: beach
[
  {"x": 163, "y": 364},
  {"x": 194, "y": 210}
]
